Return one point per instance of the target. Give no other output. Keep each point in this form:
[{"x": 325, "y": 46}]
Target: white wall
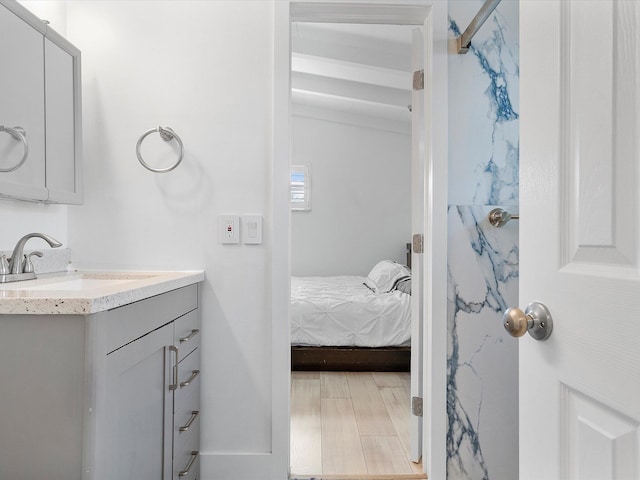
[
  {"x": 20, "y": 218},
  {"x": 53, "y": 11},
  {"x": 360, "y": 197},
  {"x": 204, "y": 69}
]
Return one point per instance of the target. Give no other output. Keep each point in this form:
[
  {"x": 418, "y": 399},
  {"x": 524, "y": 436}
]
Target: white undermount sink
[
  {"x": 77, "y": 284},
  {"x": 86, "y": 281}
]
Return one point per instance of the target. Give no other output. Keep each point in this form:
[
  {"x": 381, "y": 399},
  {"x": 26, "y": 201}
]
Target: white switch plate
[
  {"x": 252, "y": 229},
  {"x": 229, "y": 229}
]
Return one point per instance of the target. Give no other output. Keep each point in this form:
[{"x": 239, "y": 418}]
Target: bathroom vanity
[{"x": 100, "y": 376}]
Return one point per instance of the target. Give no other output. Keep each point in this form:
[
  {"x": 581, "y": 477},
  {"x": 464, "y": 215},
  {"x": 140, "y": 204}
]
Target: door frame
[{"x": 433, "y": 15}]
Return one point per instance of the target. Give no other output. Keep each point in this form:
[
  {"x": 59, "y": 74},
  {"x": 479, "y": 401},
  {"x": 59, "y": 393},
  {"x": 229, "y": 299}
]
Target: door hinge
[
  {"x": 416, "y": 406},
  {"x": 418, "y": 80},
  {"x": 418, "y": 243}
]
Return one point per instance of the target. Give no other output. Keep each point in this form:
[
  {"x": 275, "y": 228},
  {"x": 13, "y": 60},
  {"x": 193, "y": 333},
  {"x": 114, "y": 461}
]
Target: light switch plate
[
  {"x": 252, "y": 229},
  {"x": 229, "y": 229}
]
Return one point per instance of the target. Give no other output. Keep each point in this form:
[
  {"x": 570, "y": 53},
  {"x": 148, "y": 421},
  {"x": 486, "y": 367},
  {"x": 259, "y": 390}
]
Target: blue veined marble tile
[
  {"x": 482, "y": 388},
  {"x": 483, "y": 109}
]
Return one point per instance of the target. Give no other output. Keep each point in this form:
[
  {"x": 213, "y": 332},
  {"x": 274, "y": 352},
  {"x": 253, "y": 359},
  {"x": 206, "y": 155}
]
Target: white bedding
[{"x": 342, "y": 311}]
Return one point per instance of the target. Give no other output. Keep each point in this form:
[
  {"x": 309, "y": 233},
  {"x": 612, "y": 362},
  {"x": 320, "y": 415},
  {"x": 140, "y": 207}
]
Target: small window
[{"x": 300, "y": 191}]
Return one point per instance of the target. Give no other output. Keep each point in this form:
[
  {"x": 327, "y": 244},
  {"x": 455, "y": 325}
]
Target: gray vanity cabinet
[
  {"x": 40, "y": 94},
  {"x": 150, "y": 378},
  {"x": 106, "y": 396}
]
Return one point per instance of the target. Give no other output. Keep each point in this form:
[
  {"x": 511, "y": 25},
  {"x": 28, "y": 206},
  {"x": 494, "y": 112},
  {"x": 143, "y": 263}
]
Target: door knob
[{"x": 535, "y": 319}]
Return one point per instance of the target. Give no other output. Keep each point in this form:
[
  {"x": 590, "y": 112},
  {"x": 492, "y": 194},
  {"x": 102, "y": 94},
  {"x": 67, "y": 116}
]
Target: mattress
[{"x": 343, "y": 311}]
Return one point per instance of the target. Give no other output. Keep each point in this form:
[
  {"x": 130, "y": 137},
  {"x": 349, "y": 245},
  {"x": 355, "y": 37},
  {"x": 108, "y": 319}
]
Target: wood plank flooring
[{"x": 351, "y": 425}]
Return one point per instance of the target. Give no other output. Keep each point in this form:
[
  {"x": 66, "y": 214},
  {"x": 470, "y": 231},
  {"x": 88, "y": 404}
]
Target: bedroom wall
[
  {"x": 482, "y": 389},
  {"x": 360, "y": 197}
]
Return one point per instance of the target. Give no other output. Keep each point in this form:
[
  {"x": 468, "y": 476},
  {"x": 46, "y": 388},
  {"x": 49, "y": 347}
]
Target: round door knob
[
  {"x": 536, "y": 319},
  {"x": 515, "y": 322}
]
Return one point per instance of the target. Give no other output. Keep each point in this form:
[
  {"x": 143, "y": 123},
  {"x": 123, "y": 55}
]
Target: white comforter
[{"x": 342, "y": 311}]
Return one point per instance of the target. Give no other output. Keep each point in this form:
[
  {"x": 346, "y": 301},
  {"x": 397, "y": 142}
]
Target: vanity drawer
[
  {"x": 187, "y": 333},
  {"x": 127, "y": 323},
  {"x": 187, "y": 394},
  {"x": 186, "y": 464},
  {"x": 186, "y": 442},
  {"x": 186, "y": 422}
]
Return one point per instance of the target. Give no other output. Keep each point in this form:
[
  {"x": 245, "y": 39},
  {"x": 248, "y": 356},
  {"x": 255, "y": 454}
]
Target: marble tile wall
[{"x": 482, "y": 390}]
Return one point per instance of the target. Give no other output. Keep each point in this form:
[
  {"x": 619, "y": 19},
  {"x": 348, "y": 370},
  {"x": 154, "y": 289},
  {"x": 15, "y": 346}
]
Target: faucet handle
[
  {"x": 4, "y": 265},
  {"x": 27, "y": 266}
]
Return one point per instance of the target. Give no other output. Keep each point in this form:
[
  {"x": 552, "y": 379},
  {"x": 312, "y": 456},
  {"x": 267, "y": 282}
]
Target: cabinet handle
[
  {"x": 194, "y": 374},
  {"x": 174, "y": 385},
  {"x": 193, "y": 333},
  {"x": 185, "y": 472},
  {"x": 194, "y": 415}
]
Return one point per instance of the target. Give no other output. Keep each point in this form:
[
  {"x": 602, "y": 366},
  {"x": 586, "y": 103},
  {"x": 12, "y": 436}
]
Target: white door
[
  {"x": 417, "y": 227},
  {"x": 580, "y": 238}
]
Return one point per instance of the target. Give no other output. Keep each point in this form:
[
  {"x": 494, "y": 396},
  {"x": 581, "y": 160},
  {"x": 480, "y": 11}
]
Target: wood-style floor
[{"x": 351, "y": 425}]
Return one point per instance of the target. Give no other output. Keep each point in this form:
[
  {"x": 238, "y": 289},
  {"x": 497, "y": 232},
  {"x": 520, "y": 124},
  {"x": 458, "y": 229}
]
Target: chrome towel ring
[
  {"x": 19, "y": 134},
  {"x": 167, "y": 134}
]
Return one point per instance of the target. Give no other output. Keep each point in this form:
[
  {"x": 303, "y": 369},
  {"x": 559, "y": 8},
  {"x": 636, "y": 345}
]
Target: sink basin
[
  {"x": 78, "y": 284},
  {"x": 86, "y": 281},
  {"x": 124, "y": 276}
]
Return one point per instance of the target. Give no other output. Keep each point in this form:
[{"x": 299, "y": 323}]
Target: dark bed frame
[{"x": 351, "y": 359}]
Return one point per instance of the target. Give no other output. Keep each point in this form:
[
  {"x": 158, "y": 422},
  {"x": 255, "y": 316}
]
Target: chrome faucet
[{"x": 15, "y": 265}]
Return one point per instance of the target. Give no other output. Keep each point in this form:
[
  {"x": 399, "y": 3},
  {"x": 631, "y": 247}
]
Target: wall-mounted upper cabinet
[{"x": 40, "y": 111}]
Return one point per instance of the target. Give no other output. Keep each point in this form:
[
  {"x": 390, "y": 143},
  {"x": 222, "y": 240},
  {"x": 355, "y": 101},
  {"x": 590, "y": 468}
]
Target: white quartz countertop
[{"x": 86, "y": 292}]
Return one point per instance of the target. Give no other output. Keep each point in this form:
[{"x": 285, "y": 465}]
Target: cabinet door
[
  {"x": 62, "y": 83},
  {"x": 139, "y": 408},
  {"x": 22, "y": 105}
]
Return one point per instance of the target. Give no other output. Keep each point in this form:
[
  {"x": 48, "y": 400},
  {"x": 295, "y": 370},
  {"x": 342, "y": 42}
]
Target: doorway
[
  {"x": 363, "y": 83},
  {"x": 412, "y": 12},
  {"x": 351, "y": 143}
]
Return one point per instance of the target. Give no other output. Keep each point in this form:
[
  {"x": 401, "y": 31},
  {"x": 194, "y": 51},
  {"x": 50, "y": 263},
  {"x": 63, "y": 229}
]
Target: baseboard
[{"x": 235, "y": 466}]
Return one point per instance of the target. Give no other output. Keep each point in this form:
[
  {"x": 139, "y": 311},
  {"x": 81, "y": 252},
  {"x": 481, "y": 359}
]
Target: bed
[{"x": 352, "y": 322}]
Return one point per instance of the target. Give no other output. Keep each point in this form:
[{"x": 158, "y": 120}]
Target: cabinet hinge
[
  {"x": 418, "y": 243},
  {"x": 416, "y": 406},
  {"x": 418, "y": 80}
]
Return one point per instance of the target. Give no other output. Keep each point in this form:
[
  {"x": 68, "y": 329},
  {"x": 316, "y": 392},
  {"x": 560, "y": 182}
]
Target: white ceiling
[{"x": 364, "y": 70}]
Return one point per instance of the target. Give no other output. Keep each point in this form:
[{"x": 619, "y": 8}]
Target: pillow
[
  {"x": 403, "y": 285},
  {"x": 384, "y": 274}
]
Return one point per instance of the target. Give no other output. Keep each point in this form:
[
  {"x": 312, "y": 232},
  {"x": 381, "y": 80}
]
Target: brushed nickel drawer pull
[
  {"x": 185, "y": 472},
  {"x": 193, "y": 333},
  {"x": 194, "y": 415},
  {"x": 194, "y": 374},
  {"x": 174, "y": 385}
]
